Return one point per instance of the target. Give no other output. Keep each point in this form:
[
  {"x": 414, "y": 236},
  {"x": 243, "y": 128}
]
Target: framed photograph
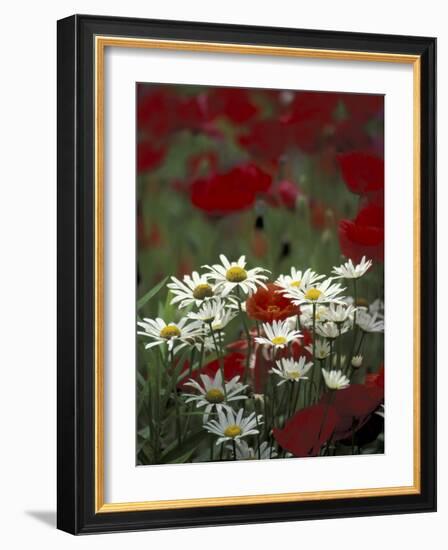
[{"x": 246, "y": 274}]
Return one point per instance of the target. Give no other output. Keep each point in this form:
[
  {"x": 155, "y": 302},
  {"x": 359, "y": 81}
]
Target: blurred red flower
[
  {"x": 306, "y": 431},
  {"x": 363, "y": 107},
  {"x": 148, "y": 156},
  {"x": 266, "y": 139},
  {"x": 284, "y": 193},
  {"x": 310, "y": 118},
  {"x": 268, "y": 305},
  {"x": 229, "y": 192},
  {"x": 376, "y": 379},
  {"x": 363, "y": 236},
  {"x": 156, "y": 114},
  {"x": 354, "y": 406},
  {"x": 233, "y": 103},
  {"x": 362, "y": 172}
]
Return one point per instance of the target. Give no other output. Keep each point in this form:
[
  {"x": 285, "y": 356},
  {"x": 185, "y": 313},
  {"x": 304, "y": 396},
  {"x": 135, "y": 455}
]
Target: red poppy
[
  {"x": 229, "y": 192},
  {"x": 234, "y": 365},
  {"x": 362, "y": 172},
  {"x": 363, "y": 107},
  {"x": 376, "y": 379},
  {"x": 233, "y": 103},
  {"x": 267, "y": 305},
  {"x": 149, "y": 156},
  {"x": 306, "y": 431},
  {"x": 310, "y": 118},
  {"x": 266, "y": 139},
  {"x": 363, "y": 236},
  {"x": 155, "y": 113}
]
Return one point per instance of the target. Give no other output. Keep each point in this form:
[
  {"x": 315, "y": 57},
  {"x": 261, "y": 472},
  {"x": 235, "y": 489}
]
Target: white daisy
[
  {"x": 232, "y": 275},
  {"x": 321, "y": 293},
  {"x": 298, "y": 279},
  {"x": 368, "y": 322},
  {"x": 206, "y": 342},
  {"x": 322, "y": 349},
  {"x": 193, "y": 289},
  {"x": 234, "y": 303},
  {"x": 175, "y": 335},
  {"x": 278, "y": 334},
  {"x": 244, "y": 452},
  {"x": 335, "y": 379},
  {"x": 356, "y": 361},
  {"x": 213, "y": 313},
  {"x": 331, "y": 330},
  {"x": 213, "y": 393},
  {"x": 306, "y": 314},
  {"x": 292, "y": 371},
  {"x": 377, "y": 306},
  {"x": 351, "y": 271},
  {"x": 232, "y": 426},
  {"x": 339, "y": 313}
]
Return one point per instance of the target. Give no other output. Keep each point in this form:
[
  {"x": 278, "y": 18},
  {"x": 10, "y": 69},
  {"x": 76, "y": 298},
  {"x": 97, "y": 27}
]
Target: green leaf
[
  {"x": 186, "y": 449},
  {"x": 151, "y": 293}
]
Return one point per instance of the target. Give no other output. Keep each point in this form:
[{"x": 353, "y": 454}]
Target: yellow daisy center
[
  {"x": 202, "y": 291},
  {"x": 294, "y": 375},
  {"x": 313, "y": 294},
  {"x": 170, "y": 331},
  {"x": 232, "y": 431},
  {"x": 214, "y": 395},
  {"x": 273, "y": 309},
  {"x": 295, "y": 283},
  {"x": 236, "y": 274},
  {"x": 278, "y": 340}
]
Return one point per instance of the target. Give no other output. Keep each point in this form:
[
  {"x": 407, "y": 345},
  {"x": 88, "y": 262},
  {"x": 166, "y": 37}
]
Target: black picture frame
[{"x": 76, "y": 251}]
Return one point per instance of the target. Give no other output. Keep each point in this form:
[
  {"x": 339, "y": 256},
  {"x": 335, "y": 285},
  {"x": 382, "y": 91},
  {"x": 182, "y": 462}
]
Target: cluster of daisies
[{"x": 208, "y": 302}]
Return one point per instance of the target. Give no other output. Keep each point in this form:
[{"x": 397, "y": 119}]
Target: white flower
[
  {"x": 232, "y": 275},
  {"x": 335, "y": 379},
  {"x": 212, "y": 393},
  {"x": 368, "y": 322},
  {"x": 173, "y": 334},
  {"x": 356, "y": 361},
  {"x": 377, "y": 306},
  {"x": 321, "y": 293},
  {"x": 278, "y": 334},
  {"x": 322, "y": 349},
  {"x": 306, "y": 314},
  {"x": 351, "y": 271},
  {"x": 290, "y": 370},
  {"x": 235, "y": 304},
  {"x": 232, "y": 426},
  {"x": 244, "y": 452},
  {"x": 340, "y": 313},
  {"x": 298, "y": 279},
  {"x": 194, "y": 289},
  {"x": 380, "y": 411},
  {"x": 331, "y": 330},
  {"x": 207, "y": 342},
  {"x": 215, "y": 313}
]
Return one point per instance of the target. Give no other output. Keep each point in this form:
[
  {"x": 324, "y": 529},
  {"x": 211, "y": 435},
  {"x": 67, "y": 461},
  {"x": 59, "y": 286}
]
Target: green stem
[
  {"x": 339, "y": 347},
  {"x": 220, "y": 360}
]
